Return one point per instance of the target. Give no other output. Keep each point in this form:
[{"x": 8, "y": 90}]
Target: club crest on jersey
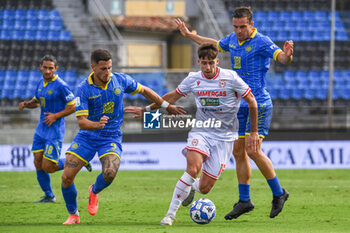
[
  {"x": 198, "y": 82},
  {"x": 50, "y": 92},
  {"x": 117, "y": 91},
  {"x": 222, "y": 83},
  {"x": 248, "y": 48},
  {"x": 194, "y": 142}
]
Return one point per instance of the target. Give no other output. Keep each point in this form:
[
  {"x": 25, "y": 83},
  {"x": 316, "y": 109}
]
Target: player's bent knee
[
  {"x": 67, "y": 180},
  {"x": 205, "y": 190},
  {"x": 109, "y": 175}
]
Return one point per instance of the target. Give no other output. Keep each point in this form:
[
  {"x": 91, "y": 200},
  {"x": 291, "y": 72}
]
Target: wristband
[
  {"x": 165, "y": 104},
  {"x": 148, "y": 108}
]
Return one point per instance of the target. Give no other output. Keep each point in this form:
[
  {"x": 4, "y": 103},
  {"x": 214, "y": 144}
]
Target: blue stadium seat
[
  {"x": 31, "y": 24},
  {"x": 41, "y": 35},
  {"x": 290, "y": 25},
  {"x": 283, "y": 35},
  {"x": 20, "y": 14},
  {"x": 320, "y": 16},
  {"x": 20, "y": 24},
  {"x": 291, "y": 83},
  {"x": 321, "y": 35},
  {"x": 56, "y": 25},
  {"x": 301, "y": 75},
  {"x": 337, "y": 16},
  {"x": 306, "y": 36},
  {"x": 289, "y": 75},
  {"x": 43, "y": 24},
  {"x": 53, "y": 35},
  {"x": 278, "y": 25},
  {"x": 7, "y": 24},
  {"x": 296, "y": 15},
  {"x": 321, "y": 93},
  {"x": 6, "y": 34},
  {"x": 31, "y": 14},
  {"x": 297, "y": 93},
  {"x": 260, "y": 16},
  {"x": 43, "y": 14},
  {"x": 30, "y": 35},
  {"x": 65, "y": 35},
  {"x": 17, "y": 35},
  {"x": 272, "y": 16},
  {"x": 55, "y": 15},
  {"x": 341, "y": 36},
  {"x": 285, "y": 93},
  {"x": 307, "y": 16},
  {"x": 8, "y": 14},
  {"x": 285, "y": 16},
  {"x": 295, "y": 35}
]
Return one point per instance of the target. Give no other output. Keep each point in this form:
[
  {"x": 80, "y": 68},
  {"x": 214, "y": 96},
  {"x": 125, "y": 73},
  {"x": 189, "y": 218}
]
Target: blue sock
[
  {"x": 70, "y": 197},
  {"x": 100, "y": 184},
  {"x": 244, "y": 192},
  {"x": 44, "y": 182},
  {"x": 275, "y": 186},
  {"x": 61, "y": 164}
]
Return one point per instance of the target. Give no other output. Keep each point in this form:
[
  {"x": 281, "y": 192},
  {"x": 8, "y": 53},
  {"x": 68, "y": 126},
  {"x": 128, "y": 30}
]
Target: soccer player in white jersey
[{"x": 218, "y": 95}]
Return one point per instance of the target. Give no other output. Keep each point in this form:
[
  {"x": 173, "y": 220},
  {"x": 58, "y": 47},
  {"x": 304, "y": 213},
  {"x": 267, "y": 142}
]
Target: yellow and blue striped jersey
[
  {"x": 53, "y": 97},
  {"x": 95, "y": 102},
  {"x": 251, "y": 60}
]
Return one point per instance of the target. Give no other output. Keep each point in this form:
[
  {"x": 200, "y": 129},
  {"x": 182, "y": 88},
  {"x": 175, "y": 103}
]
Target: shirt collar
[
  {"x": 54, "y": 78},
  {"x": 91, "y": 82},
  {"x": 252, "y": 35}
]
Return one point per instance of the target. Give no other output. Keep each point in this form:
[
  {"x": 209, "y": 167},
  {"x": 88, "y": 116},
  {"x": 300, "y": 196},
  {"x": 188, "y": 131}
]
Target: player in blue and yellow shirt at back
[
  {"x": 99, "y": 110},
  {"x": 56, "y": 101},
  {"x": 250, "y": 53}
]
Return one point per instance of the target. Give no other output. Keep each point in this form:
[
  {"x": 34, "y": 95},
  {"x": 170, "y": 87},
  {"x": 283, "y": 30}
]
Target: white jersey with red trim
[{"x": 218, "y": 100}]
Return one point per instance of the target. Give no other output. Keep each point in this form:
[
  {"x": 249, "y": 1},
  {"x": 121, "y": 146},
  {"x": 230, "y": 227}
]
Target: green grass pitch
[{"x": 137, "y": 201}]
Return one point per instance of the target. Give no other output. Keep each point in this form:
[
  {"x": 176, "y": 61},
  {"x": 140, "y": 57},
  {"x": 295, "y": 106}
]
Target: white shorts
[{"x": 218, "y": 153}]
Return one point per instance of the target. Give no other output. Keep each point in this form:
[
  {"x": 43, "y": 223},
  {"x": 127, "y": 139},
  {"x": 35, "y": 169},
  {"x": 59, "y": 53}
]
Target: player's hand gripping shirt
[
  {"x": 95, "y": 102},
  {"x": 251, "y": 60},
  {"x": 217, "y": 99},
  {"x": 53, "y": 98}
]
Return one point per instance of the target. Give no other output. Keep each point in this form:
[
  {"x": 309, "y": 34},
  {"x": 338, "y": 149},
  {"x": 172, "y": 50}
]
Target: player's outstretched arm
[
  {"x": 286, "y": 56},
  {"x": 192, "y": 36},
  {"x": 52, "y": 117},
  {"x": 85, "y": 123},
  {"x": 33, "y": 103},
  {"x": 253, "y": 139},
  {"x": 160, "y": 102}
]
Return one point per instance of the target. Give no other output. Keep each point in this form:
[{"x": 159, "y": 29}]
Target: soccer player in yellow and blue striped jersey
[
  {"x": 99, "y": 109},
  {"x": 56, "y": 101},
  {"x": 250, "y": 53}
]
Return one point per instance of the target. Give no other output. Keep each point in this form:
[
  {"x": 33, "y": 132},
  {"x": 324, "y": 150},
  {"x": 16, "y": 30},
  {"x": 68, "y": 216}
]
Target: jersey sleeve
[
  {"x": 68, "y": 96},
  {"x": 81, "y": 101},
  {"x": 131, "y": 86},
  {"x": 185, "y": 86},
  {"x": 224, "y": 44},
  {"x": 239, "y": 86},
  {"x": 268, "y": 48}
]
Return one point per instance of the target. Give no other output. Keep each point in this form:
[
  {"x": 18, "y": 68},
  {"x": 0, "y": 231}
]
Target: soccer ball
[{"x": 202, "y": 211}]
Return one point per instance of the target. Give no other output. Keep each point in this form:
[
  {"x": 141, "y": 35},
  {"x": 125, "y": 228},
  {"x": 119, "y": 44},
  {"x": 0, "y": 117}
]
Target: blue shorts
[
  {"x": 265, "y": 111},
  {"x": 85, "y": 147},
  {"x": 51, "y": 148}
]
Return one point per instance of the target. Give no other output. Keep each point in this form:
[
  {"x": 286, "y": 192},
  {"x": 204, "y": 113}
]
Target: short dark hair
[
  {"x": 210, "y": 51},
  {"x": 48, "y": 57},
  {"x": 100, "y": 55},
  {"x": 243, "y": 11}
]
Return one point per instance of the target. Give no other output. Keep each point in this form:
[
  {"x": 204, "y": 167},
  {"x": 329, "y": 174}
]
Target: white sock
[
  {"x": 76, "y": 213},
  {"x": 195, "y": 186},
  {"x": 181, "y": 191}
]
